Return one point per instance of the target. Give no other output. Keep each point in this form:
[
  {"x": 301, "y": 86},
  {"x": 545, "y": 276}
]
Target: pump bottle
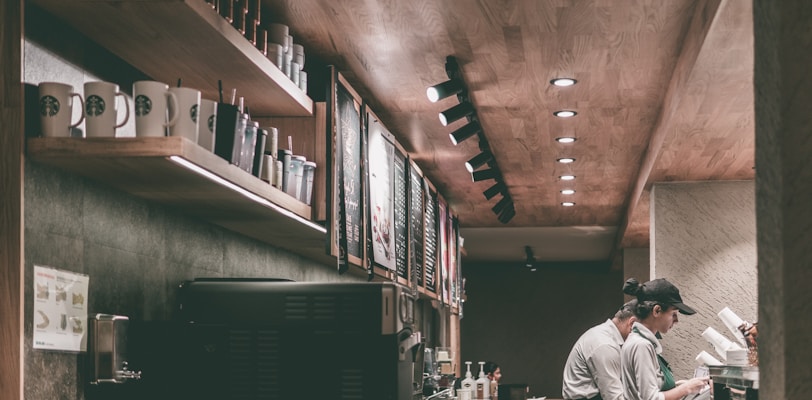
[
  {"x": 483, "y": 388},
  {"x": 468, "y": 383}
]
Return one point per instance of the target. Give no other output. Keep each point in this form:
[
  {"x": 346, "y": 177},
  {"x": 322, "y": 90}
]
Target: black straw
[
  {"x": 220, "y": 87},
  {"x": 179, "y": 81}
]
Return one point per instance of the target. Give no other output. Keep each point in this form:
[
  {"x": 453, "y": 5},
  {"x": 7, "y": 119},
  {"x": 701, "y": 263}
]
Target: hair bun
[{"x": 632, "y": 287}]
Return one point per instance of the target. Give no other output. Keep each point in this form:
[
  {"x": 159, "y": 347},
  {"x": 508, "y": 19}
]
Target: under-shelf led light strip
[{"x": 257, "y": 199}]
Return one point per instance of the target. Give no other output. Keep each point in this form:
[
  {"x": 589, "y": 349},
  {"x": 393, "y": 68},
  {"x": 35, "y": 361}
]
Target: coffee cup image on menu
[
  {"x": 101, "y": 109},
  {"x": 151, "y": 104},
  {"x": 56, "y": 109}
]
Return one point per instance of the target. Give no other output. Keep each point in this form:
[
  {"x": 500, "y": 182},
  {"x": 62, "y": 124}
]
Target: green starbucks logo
[
  {"x": 48, "y": 106},
  {"x": 211, "y": 123},
  {"x": 143, "y": 105},
  {"x": 94, "y": 106},
  {"x": 193, "y": 113}
]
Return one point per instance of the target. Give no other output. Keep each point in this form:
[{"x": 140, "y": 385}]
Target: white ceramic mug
[
  {"x": 278, "y": 33},
  {"x": 151, "y": 106},
  {"x": 56, "y": 109},
  {"x": 299, "y": 55},
  {"x": 207, "y": 124},
  {"x": 185, "y": 111},
  {"x": 101, "y": 109},
  {"x": 303, "y": 81},
  {"x": 276, "y": 54}
]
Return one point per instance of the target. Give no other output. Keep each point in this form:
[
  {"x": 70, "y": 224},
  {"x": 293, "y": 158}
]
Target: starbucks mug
[
  {"x": 152, "y": 101},
  {"x": 185, "y": 112},
  {"x": 101, "y": 109},
  {"x": 56, "y": 109},
  {"x": 207, "y": 124}
]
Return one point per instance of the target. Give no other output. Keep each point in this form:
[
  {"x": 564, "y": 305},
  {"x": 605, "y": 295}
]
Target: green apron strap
[{"x": 668, "y": 381}]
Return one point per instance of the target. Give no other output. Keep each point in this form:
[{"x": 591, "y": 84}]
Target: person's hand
[{"x": 695, "y": 385}]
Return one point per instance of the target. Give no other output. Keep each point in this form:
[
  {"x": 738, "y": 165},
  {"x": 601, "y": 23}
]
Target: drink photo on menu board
[
  {"x": 416, "y": 223},
  {"x": 430, "y": 237},
  {"x": 381, "y": 192},
  {"x": 401, "y": 214}
]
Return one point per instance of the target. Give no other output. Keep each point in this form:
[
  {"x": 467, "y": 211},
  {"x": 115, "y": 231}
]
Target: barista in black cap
[{"x": 645, "y": 373}]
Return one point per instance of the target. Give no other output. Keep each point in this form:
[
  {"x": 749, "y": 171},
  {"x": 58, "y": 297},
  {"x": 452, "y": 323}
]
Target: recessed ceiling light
[
  {"x": 568, "y": 204},
  {"x": 565, "y": 160},
  {"x": 565, "y": 113},
  {"x": 566, "y": 177},
  {"x": 563, "y": 82},
  {"x": 568, "y": 191},
  {"x": 565, "y": 139}
]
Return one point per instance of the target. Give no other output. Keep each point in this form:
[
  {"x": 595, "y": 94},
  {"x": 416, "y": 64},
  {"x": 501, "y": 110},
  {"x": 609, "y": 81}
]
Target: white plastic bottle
[
  {"x": 483, "y": 385},
  {"x": 468, "y": 383}
]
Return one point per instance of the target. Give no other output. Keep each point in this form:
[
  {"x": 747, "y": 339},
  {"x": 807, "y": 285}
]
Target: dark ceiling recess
[{"x": 483, "y": 165}]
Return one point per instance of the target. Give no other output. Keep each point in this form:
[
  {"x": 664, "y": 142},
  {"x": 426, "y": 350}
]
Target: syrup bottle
[
  {"x": 483, "y": 385},
  {"x": 468, "y": 383}
]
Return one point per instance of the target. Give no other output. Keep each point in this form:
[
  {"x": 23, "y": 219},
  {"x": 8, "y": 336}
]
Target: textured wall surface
[
  {"x": 636, "y": 264},
  {"x": 704, "y": 241},
  {"x": 135, "y": 253}
]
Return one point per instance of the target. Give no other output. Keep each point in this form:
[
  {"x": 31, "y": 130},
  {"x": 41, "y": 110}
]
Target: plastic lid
[
  {"x": 299, "y": 158},
  {"x": 310, "y": 164}
]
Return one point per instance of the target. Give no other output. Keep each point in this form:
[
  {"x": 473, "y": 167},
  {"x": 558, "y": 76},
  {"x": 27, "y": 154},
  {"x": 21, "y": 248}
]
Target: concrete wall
[
  {"x": 636, "y": 264},
  {"x": 783, "y": 94},
  {"x": 703, "y": 239}
]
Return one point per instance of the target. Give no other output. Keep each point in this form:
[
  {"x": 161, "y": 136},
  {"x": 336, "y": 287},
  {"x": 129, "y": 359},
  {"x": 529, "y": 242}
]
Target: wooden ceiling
[{"x": 664, "y": 93}]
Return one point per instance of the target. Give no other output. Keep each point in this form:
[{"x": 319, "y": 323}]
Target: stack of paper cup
[
  {"x": 719, "y": 342},
  {"x": 707, "y": 359},
  {"x": 733, "y": 322}
]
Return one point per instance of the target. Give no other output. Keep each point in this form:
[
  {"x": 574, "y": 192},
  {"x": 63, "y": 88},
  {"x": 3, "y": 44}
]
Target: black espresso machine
[{"x": 270, "y": 339}]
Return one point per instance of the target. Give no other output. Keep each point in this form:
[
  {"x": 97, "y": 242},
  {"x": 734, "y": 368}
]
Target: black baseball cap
[{"x": 664, "y": 292}]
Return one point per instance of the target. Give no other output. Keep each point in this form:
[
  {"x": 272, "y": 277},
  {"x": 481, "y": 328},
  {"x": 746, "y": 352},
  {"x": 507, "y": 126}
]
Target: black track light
[
  {"x": 459, "y": 111},
  {"x": 470, "y": 129},
  {"x": 479, "y": 160},
  {"x": 498, "y": 187},
  {"x": 484, "y": 174},
  {"x": 502, "y": 205},
  {"x": 507, "y": 215},
  {"x": 442, "y": 90}
]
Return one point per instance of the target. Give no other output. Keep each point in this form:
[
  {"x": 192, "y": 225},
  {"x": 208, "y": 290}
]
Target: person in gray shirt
[
  {"x": 646, "y": 374},
  {"x": 592, "y": 370}
]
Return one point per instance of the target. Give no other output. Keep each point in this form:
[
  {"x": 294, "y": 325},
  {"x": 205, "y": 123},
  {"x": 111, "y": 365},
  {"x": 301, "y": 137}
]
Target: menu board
[
  {"x": 453, "y": 256},
  {"x": 401, "y": 214},
  {"x": 416, "y": 223},
  {"x": 430, "y": 238},
  {"x": 381, "y": 159},
  {"x": 348, "y": 154},
  {"x": 445, "y": 275}
]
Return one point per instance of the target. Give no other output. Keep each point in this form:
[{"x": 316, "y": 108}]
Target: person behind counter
[
  {"x": 493, "y": 371},
  {"x": 645, "y": 373},
  {"x": 592, "y": 370}
]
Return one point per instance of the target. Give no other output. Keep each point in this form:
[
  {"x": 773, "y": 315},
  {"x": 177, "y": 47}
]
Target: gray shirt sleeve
[{"x": 605, "y": 366}]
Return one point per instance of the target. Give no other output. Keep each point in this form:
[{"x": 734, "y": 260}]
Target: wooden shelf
[
  {"x": 186, "y": 39},
  {"x": 148, "y": 168}
]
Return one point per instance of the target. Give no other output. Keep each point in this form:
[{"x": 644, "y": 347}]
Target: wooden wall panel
[{"x": 11, "y": 215}]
